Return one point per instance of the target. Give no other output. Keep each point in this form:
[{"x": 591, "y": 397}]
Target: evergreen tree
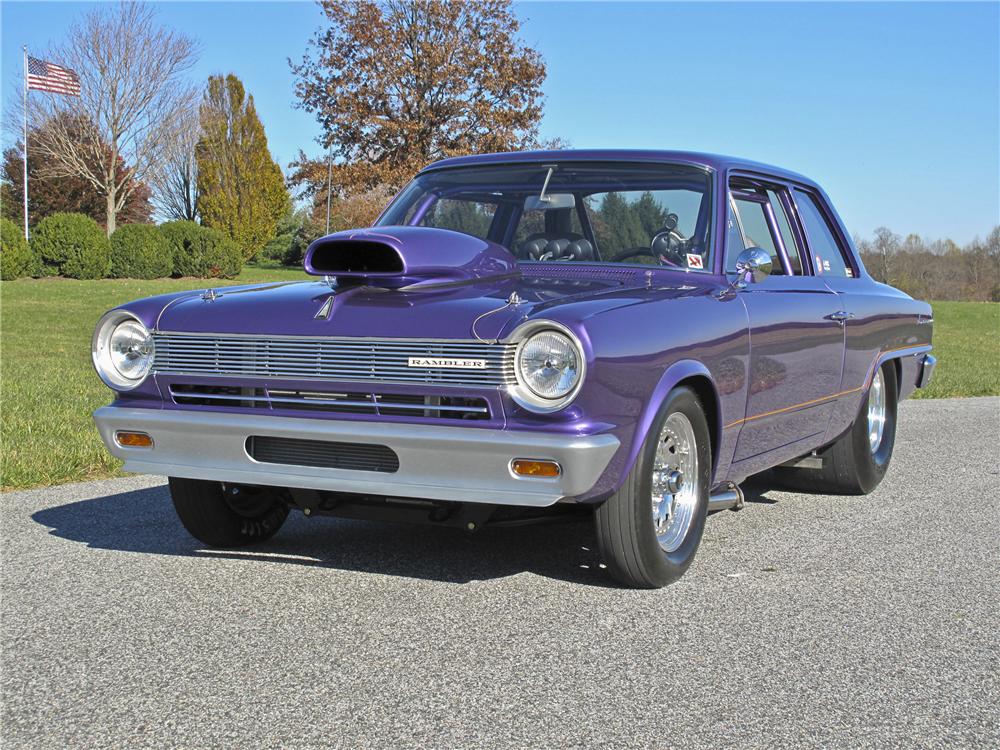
[
  {"x": 652, "y": 216},
  {"x": 284, "y": 233},
  {"x": 620, "y": 226},
  {"x": 241, "y": 189},
  {"x": 460, "y": 216}
]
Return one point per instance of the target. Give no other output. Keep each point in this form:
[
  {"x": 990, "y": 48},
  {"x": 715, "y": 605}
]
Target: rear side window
[
  {"x": 787, "y": 238},
  {"x": 828, "y": 259}
]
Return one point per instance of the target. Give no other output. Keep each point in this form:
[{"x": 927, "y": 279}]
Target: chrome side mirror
[{"x": 752, "y": 265}]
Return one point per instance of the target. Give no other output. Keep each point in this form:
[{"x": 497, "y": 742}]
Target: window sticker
[
  {"x": 819, "y": 264},
  {"x": 695, "y": 261},
  {"x": 826, "y": 266},
  {"x": 849, "y": 272}
]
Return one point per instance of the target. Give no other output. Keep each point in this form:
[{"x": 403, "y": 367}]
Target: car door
[
  {"x": 868, "y": 328},
  {"x": 796, "y": 335}
]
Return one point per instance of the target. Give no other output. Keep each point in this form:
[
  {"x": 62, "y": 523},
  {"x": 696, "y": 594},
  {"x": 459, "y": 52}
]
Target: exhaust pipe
[{"x": 730, "y": 498}]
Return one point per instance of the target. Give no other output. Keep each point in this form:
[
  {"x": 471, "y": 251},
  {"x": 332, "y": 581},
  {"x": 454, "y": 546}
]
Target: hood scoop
[{"x": 408, "y": 257}]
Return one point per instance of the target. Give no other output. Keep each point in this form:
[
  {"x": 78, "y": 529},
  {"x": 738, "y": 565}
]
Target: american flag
[{"x": 46, "y": 76}]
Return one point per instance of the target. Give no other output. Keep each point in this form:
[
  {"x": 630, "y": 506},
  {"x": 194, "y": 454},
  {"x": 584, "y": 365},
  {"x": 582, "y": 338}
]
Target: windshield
[{"x": 649, "y": 214}]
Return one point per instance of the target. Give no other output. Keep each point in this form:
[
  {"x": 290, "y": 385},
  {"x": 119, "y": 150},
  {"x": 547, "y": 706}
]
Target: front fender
[{"x": 705, "y": 387}]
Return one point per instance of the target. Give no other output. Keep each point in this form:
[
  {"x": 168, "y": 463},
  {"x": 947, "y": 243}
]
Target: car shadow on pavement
[
  {"x": 144, "y": 521},
  {"x": 755, "y": 490}
]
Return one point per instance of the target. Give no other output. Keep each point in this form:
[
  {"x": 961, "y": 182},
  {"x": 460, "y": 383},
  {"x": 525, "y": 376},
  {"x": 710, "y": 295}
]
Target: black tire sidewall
[
  {"x": 871, "y": 467},
  {"x": 667, "y": 567},
  {"x": 209, "y": 517}
]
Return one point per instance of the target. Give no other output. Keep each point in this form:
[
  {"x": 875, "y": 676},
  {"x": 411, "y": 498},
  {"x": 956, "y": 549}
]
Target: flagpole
[
  {"x": 25, "y": 48},
  {"x": 329, "y": 186}
]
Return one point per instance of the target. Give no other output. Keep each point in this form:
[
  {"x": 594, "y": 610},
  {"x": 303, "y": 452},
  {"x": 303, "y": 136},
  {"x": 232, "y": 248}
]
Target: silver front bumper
[{"x": 464, "y": 464}]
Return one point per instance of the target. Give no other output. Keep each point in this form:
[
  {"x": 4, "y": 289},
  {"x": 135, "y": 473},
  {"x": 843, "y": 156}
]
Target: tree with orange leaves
[{"x": 397, "y": 84}]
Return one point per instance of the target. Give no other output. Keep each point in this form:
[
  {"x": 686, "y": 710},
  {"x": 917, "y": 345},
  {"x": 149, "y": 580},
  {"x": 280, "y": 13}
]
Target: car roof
[{"x": 716, "y": 162}]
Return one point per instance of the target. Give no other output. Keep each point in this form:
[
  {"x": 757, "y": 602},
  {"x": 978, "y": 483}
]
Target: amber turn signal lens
[
  {"x": 524, "y": 467},
  {"x": 133, "y": 439}
]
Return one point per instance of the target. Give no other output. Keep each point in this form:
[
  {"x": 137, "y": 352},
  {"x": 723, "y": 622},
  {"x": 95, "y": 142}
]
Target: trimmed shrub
[
  {"x": 73, "y": 245},
  {"x": 221, "y": 256},
  {"x": 16, "y": 258},
  {"x": 200, "y": 251},
  {"x": 182, "y": 237},
  {"x": 139, "y": 251}
]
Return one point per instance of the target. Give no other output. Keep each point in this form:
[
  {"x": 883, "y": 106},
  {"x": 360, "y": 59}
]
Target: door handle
[{"x": 841, "y": 316}]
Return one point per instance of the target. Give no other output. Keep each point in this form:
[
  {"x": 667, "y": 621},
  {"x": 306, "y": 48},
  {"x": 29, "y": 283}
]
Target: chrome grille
[
  {"x": 379, "y": 404},
  {"x": 337, "y": 359}
]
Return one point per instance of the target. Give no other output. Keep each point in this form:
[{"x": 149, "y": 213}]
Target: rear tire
[
  {"x": 239, "y": 517},
  {"x": 643, "y": 545},
  {"x": 857, "y": 462}
]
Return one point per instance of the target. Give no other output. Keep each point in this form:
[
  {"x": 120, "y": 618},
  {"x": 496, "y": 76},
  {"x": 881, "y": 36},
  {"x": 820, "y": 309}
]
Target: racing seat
[{"x": 556, "y": 246}]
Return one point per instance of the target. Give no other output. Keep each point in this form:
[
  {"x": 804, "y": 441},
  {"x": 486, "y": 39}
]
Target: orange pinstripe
[{"x": 871, "y": 372}]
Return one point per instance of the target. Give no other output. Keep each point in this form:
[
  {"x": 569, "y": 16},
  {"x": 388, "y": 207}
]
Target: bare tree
[
  {"x": 886, "y": 244},
  {"x": 175, "y": 184},
  {"x": 132, "y": 102},
  {"x": 993, "y": 253}
]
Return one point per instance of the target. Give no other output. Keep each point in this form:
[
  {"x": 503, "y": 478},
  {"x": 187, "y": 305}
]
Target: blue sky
[{"x": 893, "y": 107}]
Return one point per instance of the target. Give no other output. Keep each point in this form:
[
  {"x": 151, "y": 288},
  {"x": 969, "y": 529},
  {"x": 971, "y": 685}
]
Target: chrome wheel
[
  {"x": 876, "y": 411},
  {"x": 675, "y": 487}
]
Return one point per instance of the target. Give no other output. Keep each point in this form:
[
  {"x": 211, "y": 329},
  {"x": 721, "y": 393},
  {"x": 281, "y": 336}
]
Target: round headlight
[
  {"x": 549, "y": 367},
  {"x": 122, "y": 350}
]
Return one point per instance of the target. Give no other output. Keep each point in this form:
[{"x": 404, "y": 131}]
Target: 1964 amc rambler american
[{"x": 627, "y": 334}]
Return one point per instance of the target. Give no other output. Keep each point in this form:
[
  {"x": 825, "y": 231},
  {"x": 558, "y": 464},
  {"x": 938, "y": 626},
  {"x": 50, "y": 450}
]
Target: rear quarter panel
[{"x": 888, "y": 325}]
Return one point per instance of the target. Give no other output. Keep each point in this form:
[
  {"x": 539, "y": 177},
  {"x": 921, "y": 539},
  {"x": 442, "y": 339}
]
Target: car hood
[{"x": 314, "y": 308}]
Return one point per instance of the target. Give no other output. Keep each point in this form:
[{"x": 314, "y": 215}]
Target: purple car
[{"x": 622, "y": 334}]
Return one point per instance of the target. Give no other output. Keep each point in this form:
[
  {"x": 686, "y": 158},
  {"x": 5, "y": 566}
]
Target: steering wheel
[
  {"x": 667, "y": 246},
  {"x": 633, "y": 252}
]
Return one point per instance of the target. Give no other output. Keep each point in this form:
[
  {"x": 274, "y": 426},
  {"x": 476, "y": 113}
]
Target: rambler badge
[{"x": 447, "y": 363}]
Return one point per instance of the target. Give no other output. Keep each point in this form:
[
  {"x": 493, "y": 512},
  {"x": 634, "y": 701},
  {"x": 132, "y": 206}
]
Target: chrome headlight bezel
[
  {"x": 100, "y": 350},
  {"x": 522, "y": 393}
]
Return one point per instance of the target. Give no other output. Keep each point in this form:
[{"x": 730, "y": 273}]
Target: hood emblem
[
  {"x": 326, "y": 310},
  {"x": 447, "y": 363}
]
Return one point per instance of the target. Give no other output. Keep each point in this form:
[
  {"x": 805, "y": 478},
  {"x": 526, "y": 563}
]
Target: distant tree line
[{"x": 939, "y": 269}]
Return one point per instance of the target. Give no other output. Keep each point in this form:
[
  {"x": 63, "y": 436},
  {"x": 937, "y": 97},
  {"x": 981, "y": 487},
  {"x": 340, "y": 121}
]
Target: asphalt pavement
[{"x": 806, "y": 620}]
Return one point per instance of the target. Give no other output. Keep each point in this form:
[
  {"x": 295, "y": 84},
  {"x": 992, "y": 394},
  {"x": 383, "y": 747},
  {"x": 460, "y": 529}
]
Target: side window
[
  {"x": 734, "y": 239},
  {"x": 757, "y": 230},
  {"x": 468, "y": 217},
  {"x": 787, "y": 238},
  {"x": 828, "y": 259}
]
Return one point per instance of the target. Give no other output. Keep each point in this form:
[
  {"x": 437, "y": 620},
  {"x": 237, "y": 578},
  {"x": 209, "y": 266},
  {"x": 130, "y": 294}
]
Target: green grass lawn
[
  {"x": 48, "y": 388},
  {"x": 967, "y": 347}
]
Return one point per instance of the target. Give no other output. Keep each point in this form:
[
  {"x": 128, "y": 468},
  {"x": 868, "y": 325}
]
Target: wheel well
[
  {"x": 899, "y": 371},
  {"x": 897, "y": 367},
  {"x": 705, "y": 392}
]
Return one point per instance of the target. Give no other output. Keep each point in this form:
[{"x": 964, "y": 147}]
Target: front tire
[
  {"x": 648, "y": 531},
  {"x": 233, "y": 516},
  {"x": 857, "y": 462}
]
